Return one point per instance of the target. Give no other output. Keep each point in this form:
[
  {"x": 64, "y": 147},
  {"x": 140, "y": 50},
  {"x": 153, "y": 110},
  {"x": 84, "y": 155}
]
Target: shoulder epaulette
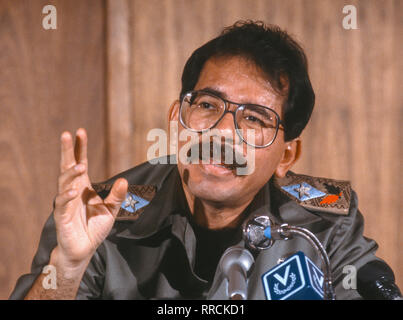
[
  {"x": 137, "y": 198},
  {"x": 318, "y": 194}
]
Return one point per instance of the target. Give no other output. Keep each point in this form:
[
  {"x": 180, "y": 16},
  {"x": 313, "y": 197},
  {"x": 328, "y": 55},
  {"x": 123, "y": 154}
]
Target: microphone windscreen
[{"x": 376, "y": 281}]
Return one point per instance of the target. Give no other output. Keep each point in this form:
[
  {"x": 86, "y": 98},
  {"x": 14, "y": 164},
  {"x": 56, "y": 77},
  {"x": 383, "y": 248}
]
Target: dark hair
[{"x": 276, "y": 54}]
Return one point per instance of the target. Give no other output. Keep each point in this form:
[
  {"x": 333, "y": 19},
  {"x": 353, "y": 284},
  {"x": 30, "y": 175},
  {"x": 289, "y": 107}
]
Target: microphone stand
[{"x": 285, "y": 232}]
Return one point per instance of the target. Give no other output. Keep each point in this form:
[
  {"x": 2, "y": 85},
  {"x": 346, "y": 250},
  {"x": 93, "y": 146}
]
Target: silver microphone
[
  {"x": 253, "y": 233},
  {"x": 235, "y": 264}
]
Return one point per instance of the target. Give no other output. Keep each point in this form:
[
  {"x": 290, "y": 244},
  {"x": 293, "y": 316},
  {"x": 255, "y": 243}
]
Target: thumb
[{"x": 116, "y": 196}]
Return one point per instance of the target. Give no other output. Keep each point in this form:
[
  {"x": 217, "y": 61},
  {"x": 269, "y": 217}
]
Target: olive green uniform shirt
[{"x": 153, "y": 257}]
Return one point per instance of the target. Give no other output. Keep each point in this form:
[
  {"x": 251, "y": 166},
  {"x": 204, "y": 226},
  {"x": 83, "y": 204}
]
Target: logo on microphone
[
  {"x": 297, "y": 278},
  {"x": 284, "y": 280},
  {"x": 315, "y": 276}
]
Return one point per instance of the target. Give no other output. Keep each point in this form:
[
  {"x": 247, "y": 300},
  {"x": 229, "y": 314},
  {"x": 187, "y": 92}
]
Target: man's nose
[{"x": 226, "y": 128}]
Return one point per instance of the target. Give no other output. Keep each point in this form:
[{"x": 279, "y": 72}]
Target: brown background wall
[{"x": 114, "y": 66}]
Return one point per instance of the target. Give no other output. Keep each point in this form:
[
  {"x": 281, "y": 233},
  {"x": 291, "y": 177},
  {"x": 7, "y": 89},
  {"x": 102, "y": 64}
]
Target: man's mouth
[{"x": 219, "y": 155}]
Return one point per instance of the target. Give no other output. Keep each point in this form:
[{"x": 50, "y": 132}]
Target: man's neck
[{"x": 213, "y": 215}]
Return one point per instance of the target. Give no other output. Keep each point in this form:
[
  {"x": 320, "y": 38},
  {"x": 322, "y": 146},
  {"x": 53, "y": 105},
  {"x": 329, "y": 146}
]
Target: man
[{"x": 161, "y": 229}]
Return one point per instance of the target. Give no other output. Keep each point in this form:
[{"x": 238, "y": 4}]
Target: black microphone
[
  {"x": 376, "y": 281},
  {"x": 235, "y": 264}
]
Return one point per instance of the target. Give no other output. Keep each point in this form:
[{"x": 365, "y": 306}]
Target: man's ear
[
  {"x": 173, "y": 118},
  {"x": 291, "y": 154},
  {"x": 173, "y": 112}
]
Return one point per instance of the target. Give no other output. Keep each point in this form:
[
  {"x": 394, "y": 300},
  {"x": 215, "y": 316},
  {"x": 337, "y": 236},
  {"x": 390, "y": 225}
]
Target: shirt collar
[{"x": 169, "y": 206}]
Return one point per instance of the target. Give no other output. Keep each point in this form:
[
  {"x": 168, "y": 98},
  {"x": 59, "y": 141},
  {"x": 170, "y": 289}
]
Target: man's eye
[
  {"x": 254, "y": 119},
  {"x": 206, "y": 105}
]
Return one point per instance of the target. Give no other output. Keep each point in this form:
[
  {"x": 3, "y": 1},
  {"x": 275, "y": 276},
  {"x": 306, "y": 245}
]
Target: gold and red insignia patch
[
  {"x": 319, "y": 194},
  {"x": 137, "y": 198}
]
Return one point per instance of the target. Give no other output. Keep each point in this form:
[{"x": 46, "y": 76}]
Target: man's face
[{"x": 237, "y": 80}]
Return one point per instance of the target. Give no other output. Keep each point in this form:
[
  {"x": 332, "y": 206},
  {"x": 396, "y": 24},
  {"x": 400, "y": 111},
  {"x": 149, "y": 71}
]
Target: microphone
[
  {"x": 376, "y": 281},
  {"x": 235, "y": 264},
  {"x": 260, "y": 233},
  {"x": 297, "y": 278}
]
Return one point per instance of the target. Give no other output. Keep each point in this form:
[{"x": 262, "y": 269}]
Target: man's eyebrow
[
  {"x": 251, "y": 106},
  {"x": 259, "y": 109},
  {"x": 215, "y": 92}
]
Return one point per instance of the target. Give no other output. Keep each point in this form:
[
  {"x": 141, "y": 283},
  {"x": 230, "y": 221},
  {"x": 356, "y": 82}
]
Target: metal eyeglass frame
[{"x": 241, "y": 106}]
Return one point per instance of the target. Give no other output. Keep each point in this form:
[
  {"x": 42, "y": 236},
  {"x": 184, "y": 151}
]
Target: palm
[{"x": 84, "y": 221}]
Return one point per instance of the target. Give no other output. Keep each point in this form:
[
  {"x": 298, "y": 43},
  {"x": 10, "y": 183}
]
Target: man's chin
[{"x": 222, "y": 196}]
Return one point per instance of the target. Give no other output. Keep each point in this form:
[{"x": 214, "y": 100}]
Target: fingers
[
  {"x": 67, "y": 177},
  {"x": 71, "y": 155},
  {"x": 67, "y": 159},
  {"x": 116, "y": 196},
  {"x": 80, "y": 148}
]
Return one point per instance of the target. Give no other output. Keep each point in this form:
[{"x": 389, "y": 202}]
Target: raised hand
[{"x": 83, "y": 219}]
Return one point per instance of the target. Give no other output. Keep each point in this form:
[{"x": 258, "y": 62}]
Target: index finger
[{"x": 67, "y": 159}]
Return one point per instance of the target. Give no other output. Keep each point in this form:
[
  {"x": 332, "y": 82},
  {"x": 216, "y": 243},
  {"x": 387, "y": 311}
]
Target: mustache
[{"x": 220, "y": 152}]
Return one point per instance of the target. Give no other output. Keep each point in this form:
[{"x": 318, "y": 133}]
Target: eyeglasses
[{"x": 201, "y": 111}]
